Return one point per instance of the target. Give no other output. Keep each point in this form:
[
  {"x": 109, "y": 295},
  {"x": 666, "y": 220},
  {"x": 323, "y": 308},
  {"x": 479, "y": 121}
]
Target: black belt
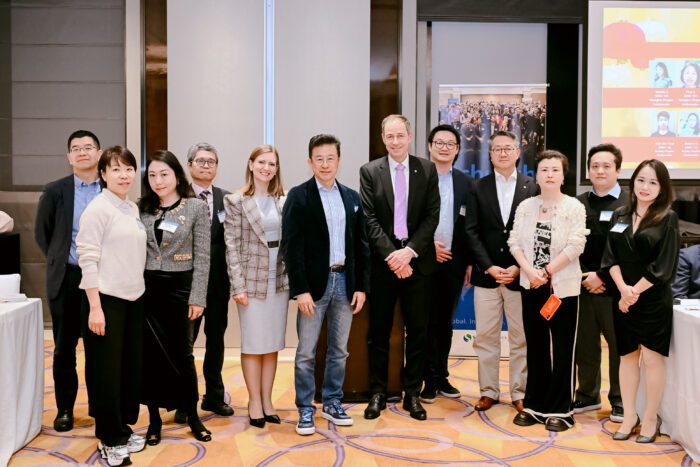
[
  {"x": 273, "y": 244},
  {"x": 337, "y": 268}
]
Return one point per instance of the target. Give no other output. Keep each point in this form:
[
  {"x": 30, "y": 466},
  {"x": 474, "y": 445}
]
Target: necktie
[
  {"x": 400, "y": 204},
  {"x": 205, "y": 197}
]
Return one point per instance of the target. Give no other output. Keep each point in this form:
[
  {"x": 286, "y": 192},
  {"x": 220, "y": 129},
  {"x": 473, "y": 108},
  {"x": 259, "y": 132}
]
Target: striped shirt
[{"x": 335, "y": 220}]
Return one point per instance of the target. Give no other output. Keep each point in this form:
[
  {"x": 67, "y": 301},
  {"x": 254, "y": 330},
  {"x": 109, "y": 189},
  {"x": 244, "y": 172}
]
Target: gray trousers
[{"x": 596, "y": 316}]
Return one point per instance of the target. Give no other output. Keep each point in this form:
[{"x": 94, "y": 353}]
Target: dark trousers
[
  {"x": 113, "y": 368},
  {"x": 550, "y": 354},
  {"x": 66, "y": 324},
  {"x": 413, "y": 293},
  {"x": 596, "y": 316},
  {"x": 215, "y": 323},
  {"x": 446, "y": 287}
]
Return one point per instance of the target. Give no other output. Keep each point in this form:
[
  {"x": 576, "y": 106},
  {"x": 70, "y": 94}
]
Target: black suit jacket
[
  {"x": 687, "y": 282},
  {"x": 462, "y": 187},
  {"x": 486, "y": 233},
  {"x": 219, "y": 286},
  {"x": 53, "y": 230},
  {"x": 377, "y": 194},
  {"x": 306, "y": 241}
]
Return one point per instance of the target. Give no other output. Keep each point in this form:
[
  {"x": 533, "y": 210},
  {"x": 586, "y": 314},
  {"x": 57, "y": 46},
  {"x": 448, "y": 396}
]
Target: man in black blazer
[
  {"x": 687, "y": 282},
  {"x": 495, "y": 273},
  {"x": 57, "y": 223},
  {"x": 203, "y": 161},
  {"x": 400, "y": 196},
  {"x": 452, "y": 257},
  {"x": 325, "y": 249}
]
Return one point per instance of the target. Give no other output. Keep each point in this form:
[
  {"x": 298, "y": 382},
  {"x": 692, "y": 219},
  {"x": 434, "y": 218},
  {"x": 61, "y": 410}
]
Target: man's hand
[
  {"x": 503, "y": 276},
  {"x": 195, "y": 311},
  {"x": 358, "y": 301},
  {"x": 399, "y": 258},
  {"x": 468, "y": 276},
  {"x": 442, "y": 254},
  {"x": 404, "y": 272},
  {"x": 306, "y": 304}
]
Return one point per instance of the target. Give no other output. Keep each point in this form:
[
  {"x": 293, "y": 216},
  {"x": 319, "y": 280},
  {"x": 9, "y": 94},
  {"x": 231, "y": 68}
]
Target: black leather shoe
[
  {"x": 376, "y": 404},
  {"x": 180, "y": 417},
  {"x": 272, "y": 418},
  {"x": 412, "y": 405},
  {"x": 63, "y": 420},
  {"x": 524, "y": 419},
  {"x": 556, "y": 424},
  {"x": 153, "y": 435},
  {"x": 219, "y": 408}
]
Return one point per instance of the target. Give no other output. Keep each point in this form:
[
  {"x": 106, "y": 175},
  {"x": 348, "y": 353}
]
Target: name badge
[
  {"x": 462, "y": 210},
  {"x": 605, "y": 216},
  {"x": 168, "y": 226},
  {"x": 619, "y": 227},
  {"x": 222, "y": 216}
]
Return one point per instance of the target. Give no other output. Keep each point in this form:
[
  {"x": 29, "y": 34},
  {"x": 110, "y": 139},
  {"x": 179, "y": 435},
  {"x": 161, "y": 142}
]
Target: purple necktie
[{"x": 400, "y": 204}]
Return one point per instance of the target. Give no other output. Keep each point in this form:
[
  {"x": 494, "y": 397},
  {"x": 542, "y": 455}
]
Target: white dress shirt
[
  {"x": 210, "y": 196},
  {"x": 505, "y": 190}
]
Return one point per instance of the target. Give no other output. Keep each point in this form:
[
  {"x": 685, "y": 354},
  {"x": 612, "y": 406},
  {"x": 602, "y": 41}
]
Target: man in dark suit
[
  {"x": 203, "y": 161},
  {"x": 326, "y": 253},
  {"x": 496, "y": 197},
  {"x": 57, "y": 223},
  {"x": 452, "y": 256},
  {"x": 400, "y": 196},
  {"x": 687, "y": 283}
]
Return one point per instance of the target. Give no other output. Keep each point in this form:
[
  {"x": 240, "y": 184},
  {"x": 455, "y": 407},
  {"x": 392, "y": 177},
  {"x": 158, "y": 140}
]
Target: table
[
  {"x": 680, "y": 406},
  {"x": 22, "y": 370}
]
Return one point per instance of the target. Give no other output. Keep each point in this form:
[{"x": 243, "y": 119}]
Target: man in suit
[
  {"x": 401, "y": 200},
  {"x": 326, "y": 253},
  {"x": 203, "y": 161},
  {"x": 452, "y": 256},
  {"x": 57, "y": 223},
  {"x": 496, "y": 197},
  {"x": 687, "y": 283}
]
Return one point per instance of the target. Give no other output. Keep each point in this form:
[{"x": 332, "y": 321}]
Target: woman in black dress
[{"x": 642, "y": 255}]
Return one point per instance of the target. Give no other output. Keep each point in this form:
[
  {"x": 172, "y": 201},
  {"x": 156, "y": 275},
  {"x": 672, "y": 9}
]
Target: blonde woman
[{"x": 259, "y": 283}]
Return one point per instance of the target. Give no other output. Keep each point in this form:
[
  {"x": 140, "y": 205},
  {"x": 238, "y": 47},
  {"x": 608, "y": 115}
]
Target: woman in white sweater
[
  {"x": 112, "y": 255},
  {"x": 549, "y": 234}
]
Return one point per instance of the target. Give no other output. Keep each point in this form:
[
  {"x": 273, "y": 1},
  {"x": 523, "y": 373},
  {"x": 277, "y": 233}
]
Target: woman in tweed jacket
[
  {"x": 177, "y": 272},
  {"x": 548, "y": 236},
  {"x": 259, "y": 283}
]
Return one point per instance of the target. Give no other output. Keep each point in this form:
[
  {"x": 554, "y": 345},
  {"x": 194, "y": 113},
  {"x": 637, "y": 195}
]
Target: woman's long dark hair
[
  {"x": 662, "y": 204},
  {"x": 150, "y": 202}
]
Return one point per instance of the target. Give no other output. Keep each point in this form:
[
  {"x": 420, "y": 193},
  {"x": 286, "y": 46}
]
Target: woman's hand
[
  {"x": 195, "y": 311},
  {"x": 96, "y": 321},
  {"x": 628, "y": 297},
  {"x": 537, "y": 277},
  {"x": 241, "y": 299}
]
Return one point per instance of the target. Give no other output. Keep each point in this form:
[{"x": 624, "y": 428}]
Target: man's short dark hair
[
  {"x": 507, "y": 134},
  {"x": 439, "y": 128},
  {"x": 663, "y": 113},
  {"x": 322, "y": 140},
  {"x": 82, "y": 134},
  {"x": 606, "y": 147}
]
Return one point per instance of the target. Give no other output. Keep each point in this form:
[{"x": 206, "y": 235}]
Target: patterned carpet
[{"x": 453, "y": 434}]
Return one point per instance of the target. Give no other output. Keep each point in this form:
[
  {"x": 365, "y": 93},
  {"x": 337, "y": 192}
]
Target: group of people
[{"x": 144, "y": 275}]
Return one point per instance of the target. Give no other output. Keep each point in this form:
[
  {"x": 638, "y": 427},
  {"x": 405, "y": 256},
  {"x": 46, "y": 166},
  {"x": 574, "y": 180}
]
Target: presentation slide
[{"x": 644, "y": 82}]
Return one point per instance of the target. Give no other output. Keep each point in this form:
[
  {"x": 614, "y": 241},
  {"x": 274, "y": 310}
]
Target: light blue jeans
[{"x": 335, "y": 307}]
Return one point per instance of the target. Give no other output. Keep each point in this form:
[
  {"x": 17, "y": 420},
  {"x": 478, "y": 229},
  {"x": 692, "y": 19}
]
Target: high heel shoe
[
  {"x": 620, "y": 436},
  {"x": 272, "y": 418},
  {"x": 153, "y": 435},
  {"x": 256, "y": 422},
  {"x": 651, "y": 439},
  {"x": 199, "y": 431}
]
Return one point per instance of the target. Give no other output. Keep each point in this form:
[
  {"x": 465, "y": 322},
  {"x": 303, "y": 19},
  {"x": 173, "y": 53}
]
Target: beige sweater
[{"x": 112, "y": 247}]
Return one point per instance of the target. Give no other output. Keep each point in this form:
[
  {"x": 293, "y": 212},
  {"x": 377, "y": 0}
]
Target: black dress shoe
[
  {"x": 376, "y": 404},
  {"x": 524, "y": 419},
  {"x": 272, "y": 418},
  {"x": 153, "y": 435},
  {"x": 180, "y": 416},
  {"x": 412, "y": 405},
  {"x": 219, "y": 408},
  {"x": 63, "y": 420},
  {"x": 557, "y": 424}
]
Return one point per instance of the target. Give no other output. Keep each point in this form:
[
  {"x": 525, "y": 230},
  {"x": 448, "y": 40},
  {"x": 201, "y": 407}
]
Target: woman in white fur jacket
[{"x": 548, "y": 236}]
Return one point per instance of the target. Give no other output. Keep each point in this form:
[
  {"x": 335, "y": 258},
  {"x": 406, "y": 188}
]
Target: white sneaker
[
  {"x": 136, "y": 443},
  {"x": 114, "y": 455}
]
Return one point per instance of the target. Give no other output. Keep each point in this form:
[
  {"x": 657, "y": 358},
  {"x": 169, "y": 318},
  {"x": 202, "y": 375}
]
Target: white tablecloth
[
  {"x": 22, "y": 373},
  {"x": 680, "y": 406}
]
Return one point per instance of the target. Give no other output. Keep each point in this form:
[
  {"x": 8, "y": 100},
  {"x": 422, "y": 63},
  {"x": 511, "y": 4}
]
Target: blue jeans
[{"x": 334, "y": 305}]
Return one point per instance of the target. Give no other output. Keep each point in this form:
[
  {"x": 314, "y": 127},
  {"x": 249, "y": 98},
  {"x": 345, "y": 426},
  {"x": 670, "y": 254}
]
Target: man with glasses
[
  {"x": 326, "y": 253},
  {"x": 452, "y": 256},
  {"x": 496, "y": 197},
  {"x": 57, "y": 223},
  {"x": 203, "y": 161}
]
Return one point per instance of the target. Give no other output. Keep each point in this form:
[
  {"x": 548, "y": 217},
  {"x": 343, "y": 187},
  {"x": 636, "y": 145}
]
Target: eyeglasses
[
  {"x": 441, "y": 144},
  {"x": 507, "y": 150},
  {"x": 77, "y": 149},
  {"x": 205, "y": 162}
]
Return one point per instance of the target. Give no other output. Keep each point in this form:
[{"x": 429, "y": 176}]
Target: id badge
[
  {"x": 222, "y": 216},
  {"x": 168, "y": 226},
  {"x": 619, "y": 227},
  {"x": 605, "y": 216}
]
